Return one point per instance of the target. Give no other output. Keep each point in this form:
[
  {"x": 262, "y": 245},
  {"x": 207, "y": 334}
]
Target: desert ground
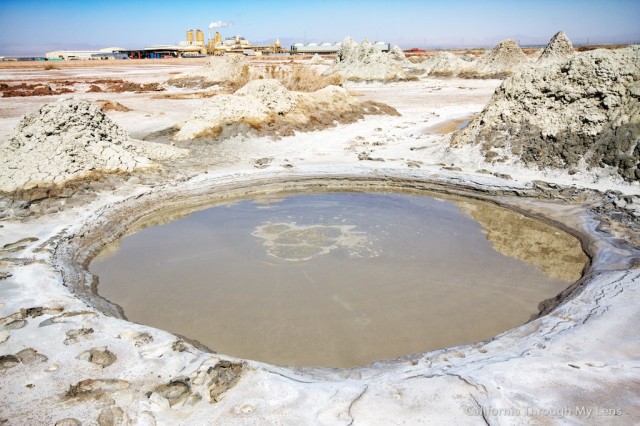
[{"x": 174, "y": 138}]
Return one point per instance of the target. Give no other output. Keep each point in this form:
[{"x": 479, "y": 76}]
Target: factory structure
[
  {"x": 107, "y": 53},
  {"x": 195, "y": 45}
]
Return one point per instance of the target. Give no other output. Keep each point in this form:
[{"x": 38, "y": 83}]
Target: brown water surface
[
  {"x": 449, "y": 126},
  {"x": 339, "y": 279}
]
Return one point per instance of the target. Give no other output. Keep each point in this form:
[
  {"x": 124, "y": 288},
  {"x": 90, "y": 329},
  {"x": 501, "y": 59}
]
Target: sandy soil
[{"x": 66, "y": 354}]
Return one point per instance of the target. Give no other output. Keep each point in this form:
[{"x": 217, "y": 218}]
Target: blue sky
[{"x": 33, "y": 27}]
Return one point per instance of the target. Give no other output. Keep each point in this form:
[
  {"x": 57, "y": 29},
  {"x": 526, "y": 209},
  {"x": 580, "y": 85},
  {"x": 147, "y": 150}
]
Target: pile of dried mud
[
  {"x": 317, "y": 60},
  {"x": 503, "y": 59},
  {"x": 267, "y": 107},
  {"x": 559, "y": 49},
  {"x": 444, "y": 64},
  {"x": 499, "y": 62},
  {"x": 364, "y": 62},
  {"x": 577, "y": 115},
  {"x": 69, "y": 140},
  {"x": 217, "y": 70},
  {"x": 234, "y": 71},
  {"x": 397, "y": 54}
]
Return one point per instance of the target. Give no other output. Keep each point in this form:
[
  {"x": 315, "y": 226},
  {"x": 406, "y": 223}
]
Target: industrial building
[
  {"x": 330, "y": 48},
  {"x": 70, "y": 55},
  {"x": 193, "y": 46},
  {"x": 167, "y": 51}
]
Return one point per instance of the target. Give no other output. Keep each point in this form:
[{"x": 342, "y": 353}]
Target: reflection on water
[
  {"x": 555, "y": 252},
  {"x": 338, "y": 279}
]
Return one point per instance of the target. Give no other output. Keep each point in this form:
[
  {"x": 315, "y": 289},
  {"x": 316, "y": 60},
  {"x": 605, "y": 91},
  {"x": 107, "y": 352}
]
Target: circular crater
[{"x": 336, "y": 279}]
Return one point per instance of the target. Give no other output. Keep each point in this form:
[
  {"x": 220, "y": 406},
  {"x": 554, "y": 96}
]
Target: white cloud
[{"x": 220, "y": 24}]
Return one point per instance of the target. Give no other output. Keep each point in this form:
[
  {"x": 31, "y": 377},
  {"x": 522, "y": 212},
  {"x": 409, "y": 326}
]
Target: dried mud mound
[
  {"x": 444, "y": 64},
  {"x": 267, "y": 107},
  {"x": 559, "y": 49},
  {"x": 499, "y": 62},
  {"x": 363, "y": 62},
  {"x": 505, "y": 58},
  {"x": 217, "y": 70},
  {"x": 69, "y": 140},
  {"x": 317, "y": 60},
  {"x": 397, "y": 54},
  {"x": 582, "y": 114}
]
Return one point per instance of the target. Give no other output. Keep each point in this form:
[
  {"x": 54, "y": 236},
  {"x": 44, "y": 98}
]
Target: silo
[
  {"x": 199, "y": 38},
  {"x": 217, "y": 39},
  {"x": 190, "y": 37}
]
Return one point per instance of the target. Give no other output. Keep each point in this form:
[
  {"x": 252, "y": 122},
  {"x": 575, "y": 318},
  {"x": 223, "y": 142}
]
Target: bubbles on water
[{"x": 294, "y": 243}]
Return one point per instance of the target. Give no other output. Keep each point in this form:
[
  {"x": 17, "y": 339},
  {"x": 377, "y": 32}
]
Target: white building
[{"x": 82, "y": 54}]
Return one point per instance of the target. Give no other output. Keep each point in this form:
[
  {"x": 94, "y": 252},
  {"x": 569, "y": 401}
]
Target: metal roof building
[
  {"x": 84, "y": 54},
  {"x": 330, "y": 48}
]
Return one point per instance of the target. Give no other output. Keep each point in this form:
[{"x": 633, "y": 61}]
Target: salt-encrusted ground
[{"x": 63, "y": 359}]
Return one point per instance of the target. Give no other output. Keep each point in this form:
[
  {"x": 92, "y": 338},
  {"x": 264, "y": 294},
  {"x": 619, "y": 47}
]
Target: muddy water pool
[
  {"x": 339, "y": 279},
  {"x": 449, "y": 126}
]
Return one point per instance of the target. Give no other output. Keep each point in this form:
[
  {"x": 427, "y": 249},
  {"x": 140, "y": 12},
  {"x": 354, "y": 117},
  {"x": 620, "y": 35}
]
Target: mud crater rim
[{"x": 82, "y": 247}]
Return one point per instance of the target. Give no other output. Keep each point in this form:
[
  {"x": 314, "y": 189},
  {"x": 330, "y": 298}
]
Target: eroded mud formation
[
  {"x": 505, "y": 58},
  {"x": 266, "y": 107},
  {"x": 68, "y": 140},
  {"x": 363, "y": 62},
  {"x": 559, "y": 49},
  {"x": 583, "y": 113},
  {"x": 217, "y": 70}
]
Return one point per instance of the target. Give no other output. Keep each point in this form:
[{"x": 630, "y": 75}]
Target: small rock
[
  {"x": 620, "y": 203},
  {"x": 8, "y": 361},
  {"x": 179, "y": 346},
  {"x": 96, "y": 388},
  {"x": 502, "y": 176},
  {"x": 30, "y": 356},
  {"x": 224, "y": 376},
  {"x": 74, "y": 335},
  {"x": 262, "y": 163},
  {"x": 142, "y": 339},
  {"x": 102, "y": 357},
  {"x": 15, "y": 325},
  {"x": 175, "y": 391},
  {"x": 364, "y": 156},
  {"x": 111, "y": 416}
]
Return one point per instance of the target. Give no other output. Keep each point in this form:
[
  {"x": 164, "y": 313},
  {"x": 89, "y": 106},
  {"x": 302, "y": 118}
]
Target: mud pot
[{"x": 338, "y": 279}]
